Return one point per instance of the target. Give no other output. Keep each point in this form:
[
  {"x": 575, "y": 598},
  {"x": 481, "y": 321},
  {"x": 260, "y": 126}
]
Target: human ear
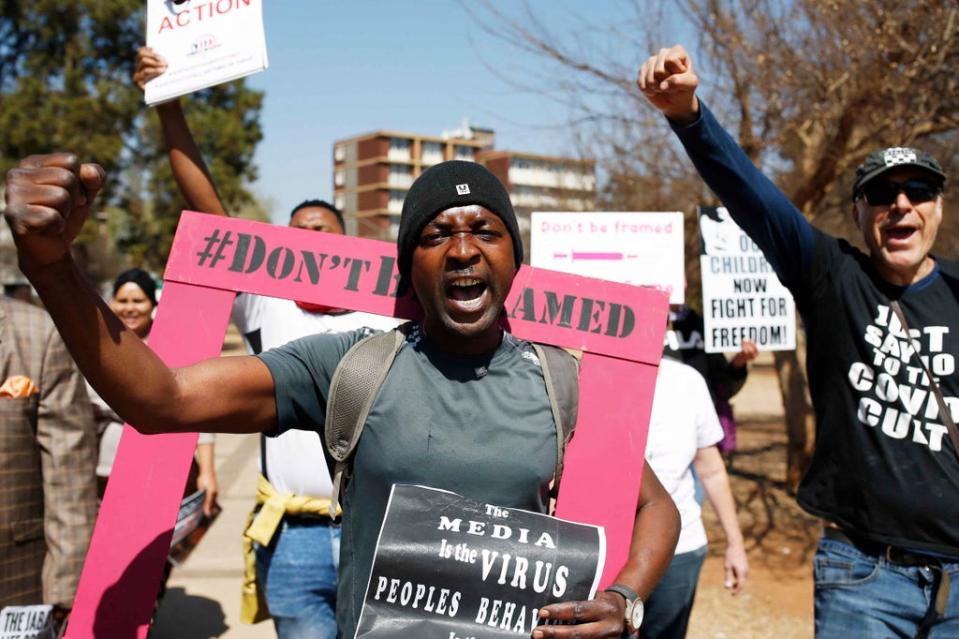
[{"x": 854, "y": 211}]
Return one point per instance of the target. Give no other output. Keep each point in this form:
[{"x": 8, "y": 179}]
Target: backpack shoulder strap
[
  {"x": 561, "y": 375},
  {"x": 356, "y": 383}
]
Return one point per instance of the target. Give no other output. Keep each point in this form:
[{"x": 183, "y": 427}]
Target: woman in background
[
  {"x": 683, "y": 433},
  {"x": 134, "y": 301}
]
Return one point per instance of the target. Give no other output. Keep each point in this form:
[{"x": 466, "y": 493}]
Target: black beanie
[
  {"x": 449, "y": 184},
  {"x": 139, "y": 277}
]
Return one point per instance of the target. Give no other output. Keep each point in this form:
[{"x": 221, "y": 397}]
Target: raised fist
[
  {"x": 669, "y": 83},
  {"x": 48, "y": 199}
]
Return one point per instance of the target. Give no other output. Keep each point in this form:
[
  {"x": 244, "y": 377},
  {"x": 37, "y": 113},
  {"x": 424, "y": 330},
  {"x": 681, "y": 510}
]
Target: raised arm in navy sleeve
[{"x": 761, "y": 210}]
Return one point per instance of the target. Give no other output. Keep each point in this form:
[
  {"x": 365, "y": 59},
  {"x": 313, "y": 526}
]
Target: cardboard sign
[
  {"x": 27, "y": 622},
  {"x": 189, "y": 516},
  {"x": 742, "y": 296},
  {"x": 450, "y": 566},
  {"x": 642, "y": 249},
  {"x": 205, "y": 42},
  {"x": 619, "y": 327},
  {"x": 359, "y": 274}
]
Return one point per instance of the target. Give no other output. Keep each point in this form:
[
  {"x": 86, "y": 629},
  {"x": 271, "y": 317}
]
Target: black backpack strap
[
  {"x": 561, "y": 375},
  {"x": 355, "y": 385}
]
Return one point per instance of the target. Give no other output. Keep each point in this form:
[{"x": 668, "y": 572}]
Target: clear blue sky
[{"x": 338, "y": 69}]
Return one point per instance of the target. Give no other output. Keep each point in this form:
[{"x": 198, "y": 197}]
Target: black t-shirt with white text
[{"x": 884, "y": 466}]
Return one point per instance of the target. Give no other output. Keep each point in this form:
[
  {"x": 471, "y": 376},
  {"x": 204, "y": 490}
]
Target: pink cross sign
[{"x": 618, "y": 327}]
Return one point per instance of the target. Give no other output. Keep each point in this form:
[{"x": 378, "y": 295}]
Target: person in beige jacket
[{"x": 48, "y": 454}]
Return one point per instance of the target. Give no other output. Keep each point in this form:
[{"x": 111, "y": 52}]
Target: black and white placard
[
  {"x": 447, "y": 567},
  {"x": 742, "y": 296}
]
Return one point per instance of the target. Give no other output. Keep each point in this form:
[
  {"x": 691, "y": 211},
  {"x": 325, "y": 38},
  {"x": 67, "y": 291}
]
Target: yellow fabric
[{"x": 261, "y": 525}]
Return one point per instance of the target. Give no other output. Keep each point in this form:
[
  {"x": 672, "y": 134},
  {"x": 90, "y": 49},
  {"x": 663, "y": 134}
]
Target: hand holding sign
[
  {"x": 150, "y": 64},
  {"x": 748, "y": 351},
  {"x": 599, "y": 617},
  {"x": 48, "y": 199}
]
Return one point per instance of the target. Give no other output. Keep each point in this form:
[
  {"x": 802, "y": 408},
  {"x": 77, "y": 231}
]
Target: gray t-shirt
[{"x": 477, "y": 426}]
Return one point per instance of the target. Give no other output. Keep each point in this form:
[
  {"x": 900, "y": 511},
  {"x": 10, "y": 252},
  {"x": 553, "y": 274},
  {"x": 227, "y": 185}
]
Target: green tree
[{"x": 65, "y": 83}]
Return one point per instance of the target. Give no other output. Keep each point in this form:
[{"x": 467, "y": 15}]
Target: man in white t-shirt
[
  {"x": 296, "y": 557},
  {"x": 683, "y": 433},
  {"x": 296, "y": 550}
]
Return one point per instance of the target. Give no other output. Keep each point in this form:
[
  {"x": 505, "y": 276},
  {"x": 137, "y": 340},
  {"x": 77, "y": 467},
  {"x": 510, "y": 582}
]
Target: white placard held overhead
[
  {"x": 742, "y": 296},
  {"x": 205, "y": 42},
  {"x": 643, "y": 249}
]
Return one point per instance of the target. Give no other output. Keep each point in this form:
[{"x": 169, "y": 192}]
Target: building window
[
  {"x": 394, "y": 228},
  {"x": 401, "y": 175},
  {"x": 400, "y": 150},
  {"x": 395, "y": 205},
  {"x": 432, "y": 153},
  {"x": 466, "y": 153}
]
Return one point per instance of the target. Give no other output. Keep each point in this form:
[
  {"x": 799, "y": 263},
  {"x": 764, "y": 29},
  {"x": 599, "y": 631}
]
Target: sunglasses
[{"x": 885, "y": 192}]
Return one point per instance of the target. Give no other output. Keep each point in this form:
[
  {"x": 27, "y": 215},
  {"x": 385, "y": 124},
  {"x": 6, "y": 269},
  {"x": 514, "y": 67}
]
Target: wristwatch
[{"x": 634, "y": 606}]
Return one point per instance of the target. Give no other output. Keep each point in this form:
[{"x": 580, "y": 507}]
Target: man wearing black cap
[
  {"x": 883, "y": 336},
  {"x": 463, "y": 408}
]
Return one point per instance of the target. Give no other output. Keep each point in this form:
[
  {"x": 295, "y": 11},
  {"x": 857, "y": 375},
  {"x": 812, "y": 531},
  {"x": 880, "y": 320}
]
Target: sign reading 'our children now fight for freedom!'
[
  {"x": 204, "y": 42},
  {"x": 447, "y": 567},
  {"x": 742, "y": 295}
]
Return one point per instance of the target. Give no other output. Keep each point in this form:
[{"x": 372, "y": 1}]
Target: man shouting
[
  {"x": 882, "y": 346},
  {"x": 461, "y": 394}
]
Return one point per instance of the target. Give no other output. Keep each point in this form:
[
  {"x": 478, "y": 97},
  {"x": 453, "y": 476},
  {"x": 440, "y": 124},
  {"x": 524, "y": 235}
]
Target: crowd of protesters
[{"x": 883, "y": 477}]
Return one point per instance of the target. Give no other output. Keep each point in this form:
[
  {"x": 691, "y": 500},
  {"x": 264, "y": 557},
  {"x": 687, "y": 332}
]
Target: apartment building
[
  {"x": 543, "y": 183},
  {"x": 373, "y": 172}
]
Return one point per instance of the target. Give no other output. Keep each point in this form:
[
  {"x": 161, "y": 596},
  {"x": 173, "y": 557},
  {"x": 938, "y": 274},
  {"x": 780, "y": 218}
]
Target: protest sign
[
  {"x": 642, "y": 249},
  {"x": 742, "y": 296},
  {"x": 619, "y": 327},
  {"x": 204, "y": 42},
  {"x": 27, "y": 622},
  {"x": 447, "y": 566},
  {"x": 189, "y": 516}
]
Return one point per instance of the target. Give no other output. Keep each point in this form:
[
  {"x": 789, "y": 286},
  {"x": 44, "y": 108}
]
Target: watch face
[{"x": 635, "y": 613}]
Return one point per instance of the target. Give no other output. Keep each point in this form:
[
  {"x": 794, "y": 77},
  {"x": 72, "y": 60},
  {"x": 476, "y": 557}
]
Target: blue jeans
[
  {"x": 666, "y": 611},
  {"x": 298, "y": 573},
  {"x": 861, "y": 595}
]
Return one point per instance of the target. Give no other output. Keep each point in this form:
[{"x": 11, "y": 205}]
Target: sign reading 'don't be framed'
[
  {"x": 640, "y": 248},
  {"x": 620, "y": 329}
]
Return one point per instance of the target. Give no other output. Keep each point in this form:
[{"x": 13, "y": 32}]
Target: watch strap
[{"x": 625, "y": 592}]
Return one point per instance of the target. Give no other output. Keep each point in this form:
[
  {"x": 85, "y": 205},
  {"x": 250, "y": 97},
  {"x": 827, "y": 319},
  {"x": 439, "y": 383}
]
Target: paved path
[
  {"x": 760, "y": 398},
  {"x": 203, "y": 597}
]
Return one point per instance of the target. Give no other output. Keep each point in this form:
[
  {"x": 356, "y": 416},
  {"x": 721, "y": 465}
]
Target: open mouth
[
  {"x": 900, "y": 233},
  {"x": 467, "y": 294}
]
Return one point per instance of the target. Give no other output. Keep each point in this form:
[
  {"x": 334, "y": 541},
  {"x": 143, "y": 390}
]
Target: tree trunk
[{"x": 797, "y": 407}]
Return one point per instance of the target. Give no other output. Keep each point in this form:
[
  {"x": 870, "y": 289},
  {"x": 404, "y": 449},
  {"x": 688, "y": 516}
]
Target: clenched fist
[
  {"x": 669, "y": 83},
  {"x": 48, "y": 199}
]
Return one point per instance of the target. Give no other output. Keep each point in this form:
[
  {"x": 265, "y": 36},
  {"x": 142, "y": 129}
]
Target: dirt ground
[{"x": 780, "y": 541}]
